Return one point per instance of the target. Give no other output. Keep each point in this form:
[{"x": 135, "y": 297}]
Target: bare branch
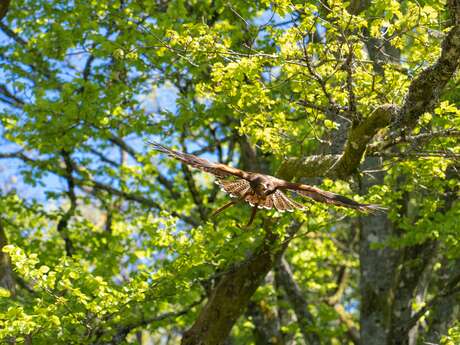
[
  {"x": 102, "y": 156},
  {"x": 86, "y": 183},
  {"x": 41, "y": 66},
  {"x": 297, "y": 300},
  {"x": 8, "y": 97},
  {"x": 132, "y": 197},
  {"x": 421, "y": 97},
  {"x": 124, "y": 145}
]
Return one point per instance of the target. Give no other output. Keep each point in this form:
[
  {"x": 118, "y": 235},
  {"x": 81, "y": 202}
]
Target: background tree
[{"x": 104, "y": 242}]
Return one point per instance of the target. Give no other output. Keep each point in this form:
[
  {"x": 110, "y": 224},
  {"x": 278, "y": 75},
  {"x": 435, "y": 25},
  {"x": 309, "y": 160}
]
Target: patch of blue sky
[
  {"x": 271, "y": 73},
  {"x": 352, "y": 306},
  {"x": 161, "y": 98},
  {"x": 11, "y": 178},
  {"x": 52, "y": 95},
  {"x": 269, "y": 17},
  {"x": 4, "y": 39}
]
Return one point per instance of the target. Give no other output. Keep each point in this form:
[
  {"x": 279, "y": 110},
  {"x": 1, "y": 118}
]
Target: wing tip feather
[
  {"x": 373, "y": 209},
  {"x": 160, "y": 147}
]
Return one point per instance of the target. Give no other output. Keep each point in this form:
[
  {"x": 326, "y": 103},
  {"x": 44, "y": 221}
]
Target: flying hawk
[{"x": 260, "y": 190}]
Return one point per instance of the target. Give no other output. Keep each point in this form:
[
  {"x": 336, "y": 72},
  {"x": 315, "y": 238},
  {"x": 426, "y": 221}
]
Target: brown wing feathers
[
  {"x": 323, "y": 196},
  {"x": 236, "y": 189},
  {"x": 220, "y": 170},
  {"x": 289, "y": 204},
  {"x": 241, "y": 188},
  {"x": 268, "y": 204}
]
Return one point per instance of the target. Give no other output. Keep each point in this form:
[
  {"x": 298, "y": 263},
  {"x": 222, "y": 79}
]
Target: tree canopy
[{"x": 106, "y": 241}]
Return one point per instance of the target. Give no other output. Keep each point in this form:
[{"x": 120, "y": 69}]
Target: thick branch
[
  {"x": 424, "y": 91},
  {"x": 311, "y": 166},
  {"x": 421, "y": 97},
  {"x": 342, "y": 166},
  {"x": 342, "y": 281},
  {"x": 231, "y": 296},
  {"x": 346, "y": 319},
  {"x": 358, "y": 138}
]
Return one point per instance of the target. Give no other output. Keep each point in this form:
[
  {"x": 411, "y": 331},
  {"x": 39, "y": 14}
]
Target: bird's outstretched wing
[
  {"x": 241, "y": 188},
  {"x": 217, "y": 169},
  {"x": 326, "y": 197}
]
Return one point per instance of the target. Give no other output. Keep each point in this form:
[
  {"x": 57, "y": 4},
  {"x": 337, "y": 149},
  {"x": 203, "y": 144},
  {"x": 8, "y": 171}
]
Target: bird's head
[{"x": 263, "y": 186}]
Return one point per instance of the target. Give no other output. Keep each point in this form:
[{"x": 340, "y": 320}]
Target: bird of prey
[{"x": 261, "y": 190}]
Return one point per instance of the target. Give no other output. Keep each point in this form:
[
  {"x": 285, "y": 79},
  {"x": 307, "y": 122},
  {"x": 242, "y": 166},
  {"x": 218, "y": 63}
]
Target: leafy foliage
[{"x": 107, "y": 242}]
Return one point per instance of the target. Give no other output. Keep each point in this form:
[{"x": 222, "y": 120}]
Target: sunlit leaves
[
  {"x": 452, "y": 337},
  {"x": 98, "y": 79}
]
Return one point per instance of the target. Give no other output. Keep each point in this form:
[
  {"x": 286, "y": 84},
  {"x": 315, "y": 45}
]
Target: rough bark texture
[
  {"x": 377, "y": 273},
  {"x": 231, "y": 296},
  {"x": 358, "y": 138},
  {"x": 416, "y": 264},
  {"x": 228, "y": 301},
  {"x": 424, "y": 91},
  {"x": 266, "y": 319}
]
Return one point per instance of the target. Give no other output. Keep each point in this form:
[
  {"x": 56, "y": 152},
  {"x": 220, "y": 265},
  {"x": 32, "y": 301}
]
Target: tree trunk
[
  {"x": 232, "y": 294},
  {"x": 377, "y": 270}
]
